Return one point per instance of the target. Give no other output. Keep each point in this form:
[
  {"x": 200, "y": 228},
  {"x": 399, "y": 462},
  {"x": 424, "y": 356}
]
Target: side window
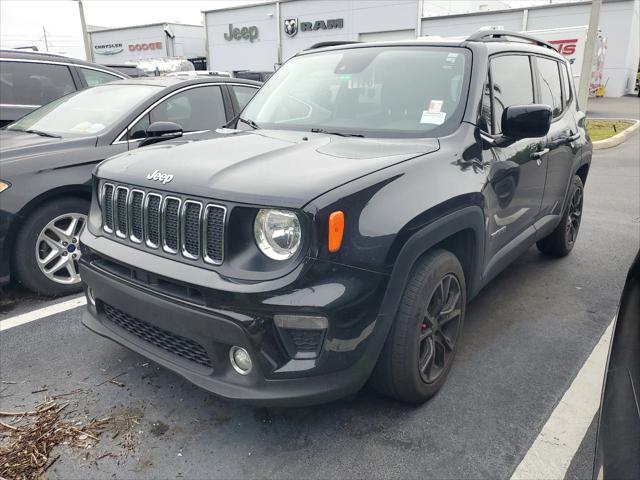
[
  {"x": 566, "y": 88},
  {"x": 95, "y": 77},
  {"x": 200, "y": 108},
  {"x": 550, "y": 90},
  {"x": 29, "y": 83},
  {"x": 511, "y": 84},
  {"x": 139, "y": 130},
  {"x": 243, "y": 94}
]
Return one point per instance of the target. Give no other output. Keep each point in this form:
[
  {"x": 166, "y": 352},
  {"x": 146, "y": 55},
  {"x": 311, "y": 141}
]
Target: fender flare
[{"x": 468, "y": 218}]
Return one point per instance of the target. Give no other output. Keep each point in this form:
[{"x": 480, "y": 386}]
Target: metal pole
[
  {"x": 88, "y": 52},
  {"x": 587, "y": 60},
  {"x": 419, "y": 23},
  {"x": 46, "y": 44},
  {"x": 525, "y": 20},
  {"x": 279, "y": 33}
]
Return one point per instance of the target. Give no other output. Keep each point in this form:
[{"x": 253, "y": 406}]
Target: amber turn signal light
[{"x": 336, "y": 229}]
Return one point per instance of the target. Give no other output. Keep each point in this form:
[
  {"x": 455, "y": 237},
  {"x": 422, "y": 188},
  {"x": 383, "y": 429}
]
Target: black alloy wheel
[
  {"x": 439, "y": 329},
  {"x": 574, "y": 216}
]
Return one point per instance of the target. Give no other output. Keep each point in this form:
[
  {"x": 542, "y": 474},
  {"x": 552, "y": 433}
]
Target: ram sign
[{"x": 292, "y": 26}]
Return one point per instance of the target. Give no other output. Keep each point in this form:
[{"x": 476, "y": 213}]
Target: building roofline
[
  {"x": 157, "y": 24},
  {"x": 248, "y": 5},
  {"x": 520, "y": 9}
]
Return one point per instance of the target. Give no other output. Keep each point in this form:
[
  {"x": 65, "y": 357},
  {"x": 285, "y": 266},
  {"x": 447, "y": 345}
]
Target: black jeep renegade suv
[{"x": 336, "y": 233}]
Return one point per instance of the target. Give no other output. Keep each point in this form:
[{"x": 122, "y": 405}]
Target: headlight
[
  {"x": 277, "y": 233},
  {"x": 4, "y": 185}
]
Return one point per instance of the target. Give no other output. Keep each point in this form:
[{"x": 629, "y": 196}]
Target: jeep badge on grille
[{"x": 158, "y": 176}]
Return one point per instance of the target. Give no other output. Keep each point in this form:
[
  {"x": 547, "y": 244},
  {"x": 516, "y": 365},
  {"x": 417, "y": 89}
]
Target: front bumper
[{"x": 193, "y": 335}]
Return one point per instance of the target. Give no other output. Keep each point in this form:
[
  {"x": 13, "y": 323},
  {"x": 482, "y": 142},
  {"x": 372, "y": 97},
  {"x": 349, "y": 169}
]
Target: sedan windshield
[
  {"x": 403, "y": 91},
  {"x": 87, "y": 112}
]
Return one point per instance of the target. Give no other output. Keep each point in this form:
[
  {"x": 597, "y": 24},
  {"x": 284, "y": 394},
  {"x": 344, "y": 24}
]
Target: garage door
[{"x": 387, "y": 36}]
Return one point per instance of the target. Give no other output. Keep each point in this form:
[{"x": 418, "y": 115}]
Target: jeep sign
[{"x": 244, "y": 33}]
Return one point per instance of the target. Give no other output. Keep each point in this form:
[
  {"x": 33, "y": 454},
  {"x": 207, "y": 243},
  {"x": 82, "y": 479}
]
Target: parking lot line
[
  {"x": 18, "y": 320},
  {"x": 551, "y": 453}
]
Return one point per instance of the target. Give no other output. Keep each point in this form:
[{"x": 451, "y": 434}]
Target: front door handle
[
  {"x": 537, "y": 155},
  {"x": 573, "y": 137}
]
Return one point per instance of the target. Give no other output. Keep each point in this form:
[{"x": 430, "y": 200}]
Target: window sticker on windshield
[
  {"x": 435, "y": 106},
  {"x": 434, "y": 118}
]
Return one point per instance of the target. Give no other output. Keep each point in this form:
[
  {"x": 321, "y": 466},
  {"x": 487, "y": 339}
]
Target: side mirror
[
  {"x": 526, "y": 121},
  {"x": 159, "y": 131}
]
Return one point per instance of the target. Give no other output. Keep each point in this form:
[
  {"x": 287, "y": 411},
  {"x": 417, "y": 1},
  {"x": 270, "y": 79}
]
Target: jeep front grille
[{"x": 186, "y": 227}]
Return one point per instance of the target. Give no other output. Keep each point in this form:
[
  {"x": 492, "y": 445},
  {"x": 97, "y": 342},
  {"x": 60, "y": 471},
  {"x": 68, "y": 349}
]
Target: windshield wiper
[
  {"x": 42, "y": 134},
  {"x": 341, "y": 134},
  {"x": 249, "y": 122}
]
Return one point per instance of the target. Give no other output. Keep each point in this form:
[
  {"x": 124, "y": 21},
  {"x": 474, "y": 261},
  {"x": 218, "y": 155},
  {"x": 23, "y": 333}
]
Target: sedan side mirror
[
  {"x": 159, "y": 131},
  {"x": 526, "y": 121}
]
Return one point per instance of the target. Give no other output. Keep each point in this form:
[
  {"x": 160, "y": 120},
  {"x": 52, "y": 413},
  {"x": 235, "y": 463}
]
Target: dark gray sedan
[{"x": 46, "y": 160}]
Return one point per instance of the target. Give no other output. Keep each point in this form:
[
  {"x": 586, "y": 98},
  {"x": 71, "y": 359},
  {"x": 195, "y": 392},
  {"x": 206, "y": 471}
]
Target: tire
[
  {"x": 50, "y": 220},
  {"x": 398, "y": 371},
  {"x": 561, "y": 241}
]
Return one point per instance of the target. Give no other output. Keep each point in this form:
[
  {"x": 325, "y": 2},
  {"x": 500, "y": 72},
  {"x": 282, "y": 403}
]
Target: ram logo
[{"x": 291, "y": 26}]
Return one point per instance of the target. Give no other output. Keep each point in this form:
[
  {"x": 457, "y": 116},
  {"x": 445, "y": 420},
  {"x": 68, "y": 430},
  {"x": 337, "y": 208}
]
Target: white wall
[
  {"x": 619, "y": 22},
  {"x": 261, "y": 54},
  {"x": 129, "y": 36},
  {"x": 359, "y": 16},
  {"x": 467, "y": 24},
  {"x": 188, "y": 42}
]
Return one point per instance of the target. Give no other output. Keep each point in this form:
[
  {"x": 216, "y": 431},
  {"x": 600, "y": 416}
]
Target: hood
[
  {"x": 264, "y": 167},
  {"x": 16, "y": 146}
]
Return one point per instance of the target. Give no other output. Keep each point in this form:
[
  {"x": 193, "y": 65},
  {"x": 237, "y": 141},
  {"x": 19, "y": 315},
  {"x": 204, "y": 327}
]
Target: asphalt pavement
[{"x": 526, "y": 336}]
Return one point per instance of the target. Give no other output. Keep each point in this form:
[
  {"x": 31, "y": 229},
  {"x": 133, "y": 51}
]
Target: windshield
[
  {"x": 373, "y": 91},
  {"x": 87, "y": 112}
]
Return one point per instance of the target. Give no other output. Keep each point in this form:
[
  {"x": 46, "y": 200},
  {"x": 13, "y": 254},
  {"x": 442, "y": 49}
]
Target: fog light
[
  {"x": 90, "y": 296},
  {"x": 240, "y": 360}
]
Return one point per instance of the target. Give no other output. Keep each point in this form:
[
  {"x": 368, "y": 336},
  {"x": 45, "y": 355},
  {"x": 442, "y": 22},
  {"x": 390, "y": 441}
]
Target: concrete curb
[{"x": 620, "y": 137}]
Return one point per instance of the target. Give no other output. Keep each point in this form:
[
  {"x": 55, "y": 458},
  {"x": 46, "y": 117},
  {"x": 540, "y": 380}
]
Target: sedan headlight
[
  {"x": 4, "y": 185},
  {"x": 277, "y": 233}
]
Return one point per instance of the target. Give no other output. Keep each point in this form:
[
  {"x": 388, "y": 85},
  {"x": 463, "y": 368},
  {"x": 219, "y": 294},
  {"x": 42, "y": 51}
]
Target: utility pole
[
  {"x": 587, "y": 60},
  {"x": 85, "y": 35},
  {"x": 46, "y": 44}
]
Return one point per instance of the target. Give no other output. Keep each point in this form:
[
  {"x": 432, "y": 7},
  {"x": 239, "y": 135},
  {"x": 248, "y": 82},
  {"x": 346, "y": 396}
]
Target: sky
[{"x": 24, "y": 22}]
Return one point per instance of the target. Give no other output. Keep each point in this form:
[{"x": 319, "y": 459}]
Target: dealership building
[
  {"x": 148, "y": 42},
  {"x": 261, "y": 36}
]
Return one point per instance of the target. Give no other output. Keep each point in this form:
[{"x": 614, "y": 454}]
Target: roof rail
[
  {"x": 499, "y": 35},
  {"x": 32, "y": 52},
  {"x": 330, "y": 44}
]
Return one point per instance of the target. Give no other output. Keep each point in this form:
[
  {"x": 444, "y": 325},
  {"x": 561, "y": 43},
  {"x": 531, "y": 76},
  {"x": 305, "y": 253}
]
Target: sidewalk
[{"x": 622, "y": 107}]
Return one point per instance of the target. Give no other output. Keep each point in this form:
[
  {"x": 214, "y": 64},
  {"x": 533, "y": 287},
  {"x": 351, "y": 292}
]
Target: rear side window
[
  {"x": 550, "y": 90},
  {"x": 34, "y": 84},
  {"x": 511, "y": 84},
  {"x": 566, "y": 88},
  {"x": 95, "y": 77},
  {"x": 243, "y": 94}
]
